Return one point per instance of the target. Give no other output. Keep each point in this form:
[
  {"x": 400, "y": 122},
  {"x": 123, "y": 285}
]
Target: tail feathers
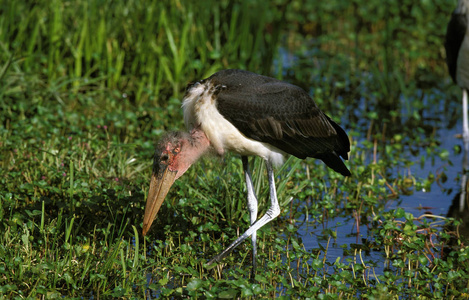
[
  {"x": 343, "y": 143},
  {"x": 334, "y": 162}
]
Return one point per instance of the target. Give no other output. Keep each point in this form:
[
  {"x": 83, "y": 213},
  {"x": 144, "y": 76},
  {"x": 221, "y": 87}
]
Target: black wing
[
  {"x": 280, "y": 114},
  {"x": 455, "y": 32}
]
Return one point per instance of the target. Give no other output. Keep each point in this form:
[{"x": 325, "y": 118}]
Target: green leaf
[
  {"x": 399, "y": 213},
  {"x": 163, "y": 281},
  {"x": 228, "y": 294},
  {"x": 194, "y": 284}
]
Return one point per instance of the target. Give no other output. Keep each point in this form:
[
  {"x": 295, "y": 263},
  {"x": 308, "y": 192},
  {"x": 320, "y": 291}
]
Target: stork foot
[{"x": 271, "y": 214}]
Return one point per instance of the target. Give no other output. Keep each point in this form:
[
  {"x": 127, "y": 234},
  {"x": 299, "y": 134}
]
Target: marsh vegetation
[{"x": 87, "y": 87}]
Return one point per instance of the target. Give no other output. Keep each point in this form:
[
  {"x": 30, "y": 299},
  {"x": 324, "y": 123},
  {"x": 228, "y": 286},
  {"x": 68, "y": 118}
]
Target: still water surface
[{"x": 437, "y": 200}]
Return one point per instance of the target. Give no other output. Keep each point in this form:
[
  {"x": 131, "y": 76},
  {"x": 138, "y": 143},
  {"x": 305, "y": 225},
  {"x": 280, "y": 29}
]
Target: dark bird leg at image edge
[{"x": 457, "y": 57}]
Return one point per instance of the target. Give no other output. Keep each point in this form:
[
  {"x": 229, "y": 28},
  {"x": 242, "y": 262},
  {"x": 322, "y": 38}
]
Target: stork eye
[{"x": 164, "y": 157}]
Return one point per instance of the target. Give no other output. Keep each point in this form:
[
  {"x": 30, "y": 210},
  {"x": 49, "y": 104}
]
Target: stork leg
[
  {"x": 252, "y": 206},
  {"x": 462, "y": 196},
  {"x": 272, "y": 213},
  {"x": 465, "y": 121}
]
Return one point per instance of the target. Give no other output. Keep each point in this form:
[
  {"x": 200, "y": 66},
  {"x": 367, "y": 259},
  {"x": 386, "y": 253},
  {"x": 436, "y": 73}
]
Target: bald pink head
[{"x": 174, "y": 154}]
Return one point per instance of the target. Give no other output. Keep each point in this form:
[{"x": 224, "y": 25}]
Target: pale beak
[{"x": 159, "y": 187}]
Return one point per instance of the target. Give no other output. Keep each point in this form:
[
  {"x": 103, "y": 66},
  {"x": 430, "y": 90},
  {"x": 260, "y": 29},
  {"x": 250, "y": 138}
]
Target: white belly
[{"x": 200, "y": 110}]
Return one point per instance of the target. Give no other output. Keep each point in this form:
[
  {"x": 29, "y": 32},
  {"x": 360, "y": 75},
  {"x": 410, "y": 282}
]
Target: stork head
[
  {"x": 174, "y": 154},
  {"x": 168, "y": 165}
]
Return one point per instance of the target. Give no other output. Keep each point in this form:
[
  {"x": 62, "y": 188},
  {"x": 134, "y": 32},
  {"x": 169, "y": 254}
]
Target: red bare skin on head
[
  {"x": 178, "y": 151},
  {"x": 171, "y": 155}
]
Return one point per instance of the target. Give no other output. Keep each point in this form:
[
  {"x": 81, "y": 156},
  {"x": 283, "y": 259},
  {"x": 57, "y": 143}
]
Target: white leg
[
  {"x": 252, "y": 207},
  {"x": 465, "y": 122},
  {"x": 272, "y": 213},
  {"x": 465, "y": 162},
  {"x": 462, "y": 196}
]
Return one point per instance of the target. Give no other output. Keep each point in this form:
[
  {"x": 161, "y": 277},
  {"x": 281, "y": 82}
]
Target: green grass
[{"x": 87, "y": 87}]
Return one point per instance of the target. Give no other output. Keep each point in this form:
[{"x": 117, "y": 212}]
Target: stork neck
[
  {"x": 195, "y": 146},
  {"x": 199, "y": 140}
]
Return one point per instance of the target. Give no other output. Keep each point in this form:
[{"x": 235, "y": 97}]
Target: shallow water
[{"x": 437, "y": 200}]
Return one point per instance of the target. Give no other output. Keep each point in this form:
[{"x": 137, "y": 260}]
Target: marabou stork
[
  {"x": 248, "y": 114},
  {"x": 457, "y": 57}
]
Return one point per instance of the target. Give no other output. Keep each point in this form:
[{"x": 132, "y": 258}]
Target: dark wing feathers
[
  {"x": 455, "y": 32},
  {"x": 283, "y": 115}
]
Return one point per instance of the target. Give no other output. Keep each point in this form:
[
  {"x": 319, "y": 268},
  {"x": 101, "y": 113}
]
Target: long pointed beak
[{"x": 159, "y": 187}]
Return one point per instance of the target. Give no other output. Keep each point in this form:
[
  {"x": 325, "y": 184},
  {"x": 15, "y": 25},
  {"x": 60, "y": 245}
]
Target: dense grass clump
[{"x": 87, "y": 87}]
